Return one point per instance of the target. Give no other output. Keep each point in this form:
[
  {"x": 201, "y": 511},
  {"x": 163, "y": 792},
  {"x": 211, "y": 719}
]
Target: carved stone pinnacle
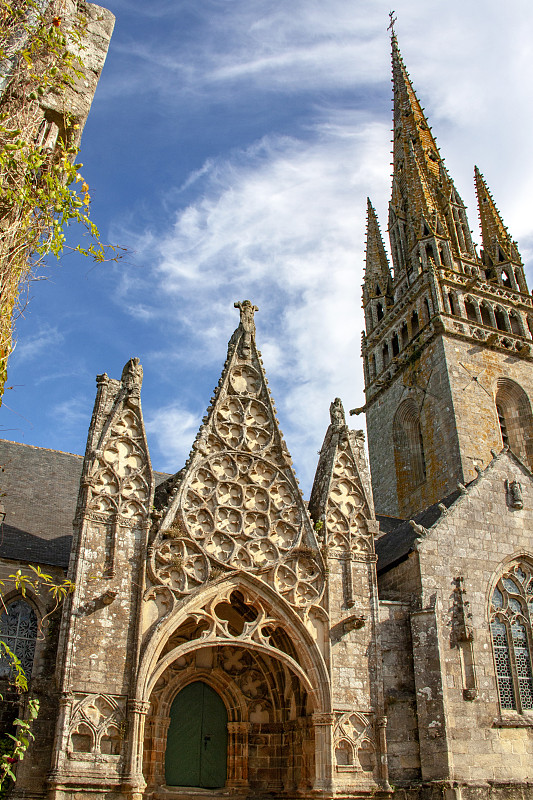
[
  {"x": 247, "y": 310},
  {"x": 336, "y": 413}
]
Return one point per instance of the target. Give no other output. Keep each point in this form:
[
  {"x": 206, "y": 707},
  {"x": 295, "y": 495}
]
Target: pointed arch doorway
[{"x": 197, "y": 741}]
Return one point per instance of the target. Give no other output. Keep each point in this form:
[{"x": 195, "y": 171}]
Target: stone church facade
[{"x": 226, "y": 638}]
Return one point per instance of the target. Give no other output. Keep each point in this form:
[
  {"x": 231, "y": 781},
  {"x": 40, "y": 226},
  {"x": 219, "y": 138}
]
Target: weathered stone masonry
[{"x": 376, "y": 640}]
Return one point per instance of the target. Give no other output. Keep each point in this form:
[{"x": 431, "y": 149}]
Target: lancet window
[
  {"x": 515, "y": 419},
  {"x": 18, "y": 629},
  {"x": 510, "y": 622},
  {"x": 409, "y": 448}
]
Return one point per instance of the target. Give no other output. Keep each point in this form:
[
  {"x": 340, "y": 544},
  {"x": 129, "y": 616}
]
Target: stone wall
[
  {"x": 426, "y": 380},
  {"x": 474, "y": 371},
  {"x": 399, "y": 691},
  {"x": 460, "y": 560}
]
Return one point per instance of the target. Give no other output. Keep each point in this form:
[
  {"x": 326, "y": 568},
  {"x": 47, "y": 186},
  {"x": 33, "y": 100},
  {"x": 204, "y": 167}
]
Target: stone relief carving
[
  {"x": 514, "y": 493},
  {"x": 336, "y": 413},
  {"x": 237, "y": 504},
  {"x": 354, "y": 742},
  {"x": 97, "y": 725},
  {"x": 226, "y": 625},
  {"x": 118, "y": 481},
  {"x": 346, "y": 508}
]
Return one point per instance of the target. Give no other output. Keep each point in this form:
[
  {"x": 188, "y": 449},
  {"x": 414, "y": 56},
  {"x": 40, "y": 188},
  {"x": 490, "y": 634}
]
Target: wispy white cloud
[
  {"x": 33, "y": 346},
  {"x": 174, "y": 429},
  {"x": 281, "y": 224},
  {"x": 72, "y": 412}
]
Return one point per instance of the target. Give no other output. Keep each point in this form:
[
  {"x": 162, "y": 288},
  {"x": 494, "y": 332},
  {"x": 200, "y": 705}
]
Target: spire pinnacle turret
[
  {"x": 497, "y": 243},
  {"x": 377, "y": 264}
]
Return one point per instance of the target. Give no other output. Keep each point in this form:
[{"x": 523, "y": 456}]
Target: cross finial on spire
[
  {"x": 247, "y": 309},
  {"x": 393, "y": 20}
]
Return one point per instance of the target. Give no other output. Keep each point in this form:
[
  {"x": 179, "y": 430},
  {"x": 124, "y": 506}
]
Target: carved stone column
[
  {"x": 238, "y": 755},
  {"x": 133, "y": 779},
  {"x": 381, "y": 724},
  {"x": 323, "y": 725},
  {"x": 61, "y": 736}
]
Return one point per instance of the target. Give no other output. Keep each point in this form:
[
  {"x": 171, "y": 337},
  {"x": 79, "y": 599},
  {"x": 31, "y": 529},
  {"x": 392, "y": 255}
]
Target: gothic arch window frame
[
  {"x": 15, "y": 634},
  {"x": 510, "y": 613},
  {"x": 471, "y": 309},
  {"x": 515, "y": 418},
  {"x": 408, "y": 448},
  {"x": 518, "y": 327}
]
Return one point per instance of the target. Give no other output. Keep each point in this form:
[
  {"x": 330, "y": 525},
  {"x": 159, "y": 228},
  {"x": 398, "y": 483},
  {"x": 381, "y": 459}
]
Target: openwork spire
[
  {"x": 416, "y": 156},
  {"x": 497, "y": 242},
  {"x": 377, "y": 271},
  {"x": 424, "y": 200}
]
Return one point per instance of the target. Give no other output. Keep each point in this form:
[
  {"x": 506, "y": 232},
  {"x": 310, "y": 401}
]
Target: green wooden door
[{"x": 197, "y": 739}]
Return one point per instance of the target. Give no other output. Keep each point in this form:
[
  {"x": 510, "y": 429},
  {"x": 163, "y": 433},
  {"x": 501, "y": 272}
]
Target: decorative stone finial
[
  {"x": 132, "y": 375},
  {"x": 514, "y": 490},
  {"x": 336, "y": 412},
  {"x": 247, "y": 310}
]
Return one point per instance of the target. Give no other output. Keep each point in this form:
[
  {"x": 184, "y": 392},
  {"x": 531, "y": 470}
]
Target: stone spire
[
  {"x": 376, "y": 264},
  {"x": 497, "y": 243},
  {"x": 424, "y": 199},
  {"x": 377, "y": 287},
  {"x": 415, "y": 152}
]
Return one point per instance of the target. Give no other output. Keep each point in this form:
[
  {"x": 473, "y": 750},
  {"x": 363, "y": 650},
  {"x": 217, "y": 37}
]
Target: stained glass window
[
  {"x": 18, "y": 629},
  {"x": 511, "y": 608}
]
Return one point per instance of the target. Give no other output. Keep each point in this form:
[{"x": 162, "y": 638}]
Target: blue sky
[{"x": 230, "y": 148}]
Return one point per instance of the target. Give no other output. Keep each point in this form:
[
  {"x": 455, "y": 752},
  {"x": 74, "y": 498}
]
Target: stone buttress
[
  {"x": 99, "y": 639},
  {"x": 342, "y": 508}
]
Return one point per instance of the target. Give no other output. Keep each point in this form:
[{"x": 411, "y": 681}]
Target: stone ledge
[{"x": 515, "y": 721}]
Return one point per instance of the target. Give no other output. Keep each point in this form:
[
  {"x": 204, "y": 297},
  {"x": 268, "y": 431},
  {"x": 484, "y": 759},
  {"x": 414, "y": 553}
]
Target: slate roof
[
  {"x": 39, "y": 490},
  {"x": 396, "y": 544}
]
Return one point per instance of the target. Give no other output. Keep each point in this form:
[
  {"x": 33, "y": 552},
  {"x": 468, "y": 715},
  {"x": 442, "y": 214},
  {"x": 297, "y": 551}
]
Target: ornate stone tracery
[
  {"x": 354, "y": 742},
  {"x": 97, "y": 725},
  {"x": 346, "y": 507},
  {"x": 237, "y": 505}
]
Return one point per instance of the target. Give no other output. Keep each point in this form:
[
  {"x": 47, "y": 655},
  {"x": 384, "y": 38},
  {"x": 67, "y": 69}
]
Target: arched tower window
[
  {"x": 510, "y": 623},
  {"x": 516, "y": 323},
  {"x": 18, "y": 629},
  {"x": 515, "y": 418},
  {"x": 404, "y": 335},
  {"x": 506, "y": 280},
  {"x": 501, "y": 321},
  {"x": 485, "y": 315},
  {"x": 470, "y": 309},
  {"x": 408, "y": 448}
]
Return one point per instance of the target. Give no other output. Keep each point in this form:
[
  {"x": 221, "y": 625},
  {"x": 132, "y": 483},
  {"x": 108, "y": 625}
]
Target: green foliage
[
  {"x": 42, "y": 191},
  {"x": 13, "y": 747}
]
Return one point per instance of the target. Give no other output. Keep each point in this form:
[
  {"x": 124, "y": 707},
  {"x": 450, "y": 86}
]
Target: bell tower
[{"x": 448, "y": 345}]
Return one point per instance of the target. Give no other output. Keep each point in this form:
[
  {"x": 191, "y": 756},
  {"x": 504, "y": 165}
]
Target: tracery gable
[
  {"x": 237, "y": 504},
  {"x": 339, "y": 503}
]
